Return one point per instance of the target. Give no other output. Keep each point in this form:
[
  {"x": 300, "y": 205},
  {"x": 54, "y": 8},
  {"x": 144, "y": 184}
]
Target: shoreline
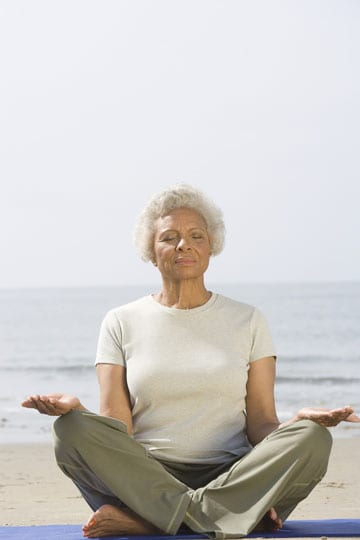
[{"x": 33, "y": 490}]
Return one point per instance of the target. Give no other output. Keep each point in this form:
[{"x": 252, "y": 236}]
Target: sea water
[{"x": 48, "y": 341}]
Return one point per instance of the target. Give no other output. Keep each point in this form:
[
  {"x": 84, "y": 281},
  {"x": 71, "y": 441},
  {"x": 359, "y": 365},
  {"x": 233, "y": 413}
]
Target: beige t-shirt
[{"x": 186, "y": 372}]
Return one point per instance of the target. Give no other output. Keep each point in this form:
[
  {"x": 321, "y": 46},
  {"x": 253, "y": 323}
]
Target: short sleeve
[
  {"x": 261, "y": 341},
  {"x": 109, "y": 347}
]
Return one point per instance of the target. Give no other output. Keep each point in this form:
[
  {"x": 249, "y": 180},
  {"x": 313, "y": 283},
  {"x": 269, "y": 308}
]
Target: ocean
[{"x": 48, "y": 340}]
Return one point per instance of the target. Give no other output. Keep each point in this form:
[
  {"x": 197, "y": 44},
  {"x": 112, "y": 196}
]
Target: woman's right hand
[{"x": 53, "y": 404}]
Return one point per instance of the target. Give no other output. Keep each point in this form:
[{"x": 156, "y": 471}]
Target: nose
[{"x": 182, "y": 244}]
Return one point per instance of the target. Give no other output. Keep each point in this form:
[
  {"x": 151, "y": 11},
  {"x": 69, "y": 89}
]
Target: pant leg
[
  {"x": 95, "y": 496},
  {"x": 282, "y": 470},
  {"x": 279, "y": 472},
  {"x": 97, "y": 453}
]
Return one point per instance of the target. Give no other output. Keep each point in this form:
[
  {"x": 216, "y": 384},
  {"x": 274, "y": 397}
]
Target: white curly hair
[{"x": 178, "y": 196}]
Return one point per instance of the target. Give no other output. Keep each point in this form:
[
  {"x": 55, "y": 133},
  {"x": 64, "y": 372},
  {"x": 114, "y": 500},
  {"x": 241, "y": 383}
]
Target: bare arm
[
  {"x": 114, "y": 397},
  {"x": 114, "y": 393},
  {"x": 260, "y": 403}
]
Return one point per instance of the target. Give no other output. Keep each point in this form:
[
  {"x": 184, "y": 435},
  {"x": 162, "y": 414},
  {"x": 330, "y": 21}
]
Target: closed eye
[{"x": 168, "y": 239}]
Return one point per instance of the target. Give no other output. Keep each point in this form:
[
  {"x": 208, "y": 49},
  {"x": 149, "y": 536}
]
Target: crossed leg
[{"x": 262, "y": 488}]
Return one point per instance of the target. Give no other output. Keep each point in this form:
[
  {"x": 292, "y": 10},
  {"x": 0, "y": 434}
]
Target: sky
[{"x": 103, "y": 103}]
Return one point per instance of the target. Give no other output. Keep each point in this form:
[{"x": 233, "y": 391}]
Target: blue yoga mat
[{"x": 291, "y": 529}]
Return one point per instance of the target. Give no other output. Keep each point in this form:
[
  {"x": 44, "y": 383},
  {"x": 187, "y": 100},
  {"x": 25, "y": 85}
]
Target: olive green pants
[{"x": 110, "y": 467}]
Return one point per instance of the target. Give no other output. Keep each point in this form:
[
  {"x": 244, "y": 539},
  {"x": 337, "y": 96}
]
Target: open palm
[
  {"x": 328, "y": 417},
  {"x": 52, "y": 404}
]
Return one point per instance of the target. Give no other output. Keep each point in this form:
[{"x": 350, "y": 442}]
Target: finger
[
  {"x": 337, "y": 417},
  {"x": 44, "y": 407},
  {"x": 45, "y": 400},
  {"x": 342, "y": 415},
  {"x": 35, "y": 401},
  {"x": 352, "y": 418},
  {"x": 347, "y": 409},
  {"x": 332, "y": 420},
  {"x": 51, "y": 408},
  {"x": 47, "y": 405},
  {"x": 28, "y": 402}
]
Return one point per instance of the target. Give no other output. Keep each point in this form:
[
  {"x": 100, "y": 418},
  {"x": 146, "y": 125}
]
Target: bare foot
[
  {"x": 270, "y": 522},
  {"x": 112, "y": 521}
]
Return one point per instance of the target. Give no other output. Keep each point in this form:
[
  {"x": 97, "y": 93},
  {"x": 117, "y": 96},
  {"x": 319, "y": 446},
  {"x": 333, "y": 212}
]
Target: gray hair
[{"x": 179, "y": 196}]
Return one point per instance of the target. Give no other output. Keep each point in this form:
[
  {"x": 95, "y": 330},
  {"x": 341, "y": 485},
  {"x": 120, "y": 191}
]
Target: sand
[{"x": 33, "y": 491}]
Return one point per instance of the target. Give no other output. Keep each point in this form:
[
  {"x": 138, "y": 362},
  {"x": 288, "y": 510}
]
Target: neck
[{"x": 185, "y": 294}]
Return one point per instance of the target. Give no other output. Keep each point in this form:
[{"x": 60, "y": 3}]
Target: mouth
[{"x": 184, "y": 261}]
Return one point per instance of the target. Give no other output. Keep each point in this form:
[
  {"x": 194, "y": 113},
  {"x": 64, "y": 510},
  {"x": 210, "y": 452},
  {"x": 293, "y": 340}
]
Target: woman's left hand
[{"x": 328, "y": 417}]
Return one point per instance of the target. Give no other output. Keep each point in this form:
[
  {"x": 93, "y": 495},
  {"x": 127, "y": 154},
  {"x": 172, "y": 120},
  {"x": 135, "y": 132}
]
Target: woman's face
[{"x": 181, "y": 244}]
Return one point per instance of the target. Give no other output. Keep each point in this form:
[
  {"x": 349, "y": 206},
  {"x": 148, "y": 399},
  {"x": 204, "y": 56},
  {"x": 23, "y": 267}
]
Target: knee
[
  {"x": 69, "y": 428},
  {"x": 314, "y": 440}
]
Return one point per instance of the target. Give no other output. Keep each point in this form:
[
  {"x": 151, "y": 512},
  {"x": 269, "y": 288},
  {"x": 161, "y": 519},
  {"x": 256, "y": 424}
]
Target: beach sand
[{"x": 33, "y": 491}]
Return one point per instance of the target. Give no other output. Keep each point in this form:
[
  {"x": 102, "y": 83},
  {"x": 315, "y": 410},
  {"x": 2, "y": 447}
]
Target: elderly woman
[{"x": 187, "y": 434}]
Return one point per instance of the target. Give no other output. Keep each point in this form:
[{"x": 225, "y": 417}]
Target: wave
[
  {"x": 318, "y": 380},
  {"x": 72, "y": 368},
  {"x": 81, "y": 368},
  {"x": 317, "y": 358}
]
